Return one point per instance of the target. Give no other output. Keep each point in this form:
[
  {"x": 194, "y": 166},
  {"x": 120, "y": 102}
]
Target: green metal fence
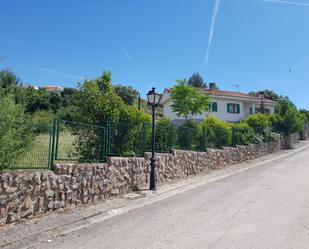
[
  {"x": 38, "y": 153},
  {"x": 73, "y": 141},
  {"x": 165, "y": 138},
  {"x": 125, "y": 139},
  {"x": 185, "y": 138},
  {"x": 79, "y": 142}
]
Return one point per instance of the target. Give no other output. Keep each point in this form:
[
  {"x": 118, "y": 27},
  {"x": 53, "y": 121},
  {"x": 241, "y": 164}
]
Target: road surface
[{"x": 264, "y": 207}]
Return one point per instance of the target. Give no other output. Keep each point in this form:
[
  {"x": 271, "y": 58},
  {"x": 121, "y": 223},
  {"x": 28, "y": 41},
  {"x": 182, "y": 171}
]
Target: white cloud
[
  {"x": 298, "y": 63},
  {"x": 212, "y": 28},
  {"x": 286, "y": 2},
  {"x": 125, "y": 52},
  {"x": 54, "y": 72}
]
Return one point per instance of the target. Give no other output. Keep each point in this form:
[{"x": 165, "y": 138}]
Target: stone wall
[{"x": 23, "y": 195}]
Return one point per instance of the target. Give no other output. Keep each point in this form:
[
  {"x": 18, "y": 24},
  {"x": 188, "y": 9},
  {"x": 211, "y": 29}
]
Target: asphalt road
[{"x": 263, "y": 207}]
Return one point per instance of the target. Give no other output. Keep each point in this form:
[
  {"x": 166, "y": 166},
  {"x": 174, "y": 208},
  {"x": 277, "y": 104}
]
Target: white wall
[{"x": 220, "y": 114}]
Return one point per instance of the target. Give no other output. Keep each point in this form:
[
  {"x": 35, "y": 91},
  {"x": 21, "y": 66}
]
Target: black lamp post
[{"x": 153, "y": 100}]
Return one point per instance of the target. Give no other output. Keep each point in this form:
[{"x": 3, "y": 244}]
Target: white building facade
[{"x": 227, "y": 106}]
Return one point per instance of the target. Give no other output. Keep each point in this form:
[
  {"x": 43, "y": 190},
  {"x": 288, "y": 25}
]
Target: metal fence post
[
  {"x": 104, "y": 144},
  {"x": 170, "y": 137},
  {"x": 204, "y": 139},
  {"x": 50, "y": 132},
  {"x": 57, "y": 138},
  {"x": 187, "y": 138},
  {"x": 108, "y": 138},
  {"x": 220, "y": 138},
  {"x": 52, "y": 158},
  {"x": 143, "y": 138}
]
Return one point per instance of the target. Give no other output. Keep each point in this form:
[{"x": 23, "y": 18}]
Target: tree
[
  {"x": 68, "y": 95},
  {"x": 36, "y": 100},
  {"x": 127, "y": 93},
  {"x": 197, "y": 81},
  {"x": 8, "y": 81},
  {"x": 268, "y": 94},
  {"x": 305, "y": 114},
  {"x": 187, "y": 102},
  {"x": 55, "y": 101},
  {"x": 97, "y": 103},
  {"x": 15, "y": 132},
  {"x": 287, "y": 120}
]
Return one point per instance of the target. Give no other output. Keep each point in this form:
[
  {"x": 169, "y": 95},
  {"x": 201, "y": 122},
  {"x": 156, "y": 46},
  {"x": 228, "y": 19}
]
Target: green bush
[
  {"x": 127, "y": 135},
  {"x": 97, "y": 103},
  {"x": 43, "y": 118},
  {"x": 270, "y": 136},
  {"x": 287, "y": 119},
  {"x": 217, "y": 133},
  {"x": 188, "y": 135},
  {"x": 243, "y": 134},
  {"x": 15, "y": 132},
  {"x": 166, "y": 135},
  {"x": 259, "y": 122}
]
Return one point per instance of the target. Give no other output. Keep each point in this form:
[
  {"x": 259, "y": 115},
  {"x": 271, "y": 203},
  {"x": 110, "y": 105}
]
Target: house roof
[
  {"x": 52, "y": 88},
  {"x": 230, "y": 94}
]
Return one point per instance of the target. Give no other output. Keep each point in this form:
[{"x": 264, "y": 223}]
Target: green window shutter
[
  {"x": 238, "y": 108},
  {"x": 214, "y": 106},
  {"x": 228, "y": 108}
]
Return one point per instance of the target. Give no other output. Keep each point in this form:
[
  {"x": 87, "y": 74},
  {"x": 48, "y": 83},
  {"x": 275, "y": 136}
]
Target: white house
[
  {"x": 226, "y": 105},
  {"x": 52, "y": 89}
]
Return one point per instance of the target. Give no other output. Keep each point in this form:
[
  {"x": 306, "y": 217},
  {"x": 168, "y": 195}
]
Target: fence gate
[{"x": 74, "y": 141}]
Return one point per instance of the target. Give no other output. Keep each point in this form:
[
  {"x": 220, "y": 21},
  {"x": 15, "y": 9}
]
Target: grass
[
  {"x": 37, "y": 156},
  {"x": 66, "y": 148}
]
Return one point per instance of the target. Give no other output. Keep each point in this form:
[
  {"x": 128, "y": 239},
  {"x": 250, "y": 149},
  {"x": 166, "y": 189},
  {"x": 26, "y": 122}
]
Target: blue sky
[{"x": 145, "y": 43}]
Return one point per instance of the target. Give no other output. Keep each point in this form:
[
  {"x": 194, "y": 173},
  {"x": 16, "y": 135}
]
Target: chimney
[{"x": 212, "y": 86}]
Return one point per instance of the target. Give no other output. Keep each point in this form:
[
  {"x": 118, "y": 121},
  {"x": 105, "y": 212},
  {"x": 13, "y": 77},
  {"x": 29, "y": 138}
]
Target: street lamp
[{"x": 153, "y": 100}]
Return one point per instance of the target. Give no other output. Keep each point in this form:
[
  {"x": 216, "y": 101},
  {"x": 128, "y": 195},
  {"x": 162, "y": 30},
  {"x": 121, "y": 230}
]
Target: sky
[{"x": 255, "y": 44}]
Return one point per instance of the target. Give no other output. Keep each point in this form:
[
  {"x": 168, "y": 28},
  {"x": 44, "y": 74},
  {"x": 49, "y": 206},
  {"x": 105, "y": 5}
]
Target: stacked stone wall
[{"x": 24, "y": 195}]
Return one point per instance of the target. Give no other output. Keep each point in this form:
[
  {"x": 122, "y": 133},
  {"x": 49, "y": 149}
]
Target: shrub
[
  {"x": 166, "y": 135},
  {"x": 243, "y": 134},
  {"x": 259, "y": 122},
  {"x": 189, "y": 135},
  {"x": 269, "y": 136},
  {"x": 257, "y": 139},
  {"x": 15, "y": 132},
  {"x": 217, "y": 133},
  {"x": 287, "y": 119},
  {"x": 43, "y": 118},
  {"x": 97, "y": 103},
  {"x": 127, "y": 135}
]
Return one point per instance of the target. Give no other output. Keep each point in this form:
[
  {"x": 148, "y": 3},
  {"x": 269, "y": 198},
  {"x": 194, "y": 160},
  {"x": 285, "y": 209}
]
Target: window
[
  {"x": 233, "y": 108},
  {"x": 214, "y": 106},
  {"x": 259, "y": 110},
  {"x": 251, "y": 110}
]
